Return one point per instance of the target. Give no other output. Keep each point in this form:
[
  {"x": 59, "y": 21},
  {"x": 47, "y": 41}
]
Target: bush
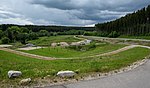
[
  {"x": 148, "y": 34},
  {"x": 75, "y": 47},
  {"x": 22, "y": 37},
  {"x": 43, "y": 33},
  {"x": 114, "y": 34},
  {"x": 103, "y": 34},
  {"x": 33, "y": 36},
  {"x": 1, "y": 33},
  {"x": 5, "y": 40},
  {"x": 90, "y": 33},
  {"x": 83, "y": 47}
]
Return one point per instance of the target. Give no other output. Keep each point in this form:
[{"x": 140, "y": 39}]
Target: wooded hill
[
  {"x": 137, "y": 23},
  {"x": 37, "y": 28},
  {"x": 10, "y": 33}
]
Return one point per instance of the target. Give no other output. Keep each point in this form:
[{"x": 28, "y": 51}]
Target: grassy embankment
[
  {"x": 46, "y": 41},
  {"x": 35, "y": 68},
  {"x": 59, "y": 52}
]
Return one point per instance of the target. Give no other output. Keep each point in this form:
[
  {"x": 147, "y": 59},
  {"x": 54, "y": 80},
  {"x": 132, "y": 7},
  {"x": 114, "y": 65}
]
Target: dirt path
[
  {"x": 125, "y": 39},
  {"x": 79, "y": 38},
  {"x": 119, "y": 40},
  {"x": 122, "y": 49},
  {"x": 51, "y": 58},
  {"x": 27, "y": 54},
  {"x": 116, "y": 51}
]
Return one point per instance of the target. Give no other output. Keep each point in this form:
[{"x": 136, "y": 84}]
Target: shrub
[
  {"x": 114, "y": 34},
  {"x": 5, "y": 40},
  {"x": 90, "y": 33},
  {"x": 33, "y": 36},
  {"x": 103, "y": 34},
  {"x": 1, "y": 34},
  {"x": 83, "y": 47}
]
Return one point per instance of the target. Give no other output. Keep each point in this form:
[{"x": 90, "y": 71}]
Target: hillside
[
  {"x": 137, "y": 23},
  {"x": 49, "y": 28}
]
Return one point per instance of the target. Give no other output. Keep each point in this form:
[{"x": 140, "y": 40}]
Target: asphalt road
[{"x": 137, "y": 78}]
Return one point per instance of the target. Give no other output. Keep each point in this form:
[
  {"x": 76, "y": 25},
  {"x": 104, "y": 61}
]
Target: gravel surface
[
  {"x": 5, "y": 46},
  {"x": 30, "y": 48}
]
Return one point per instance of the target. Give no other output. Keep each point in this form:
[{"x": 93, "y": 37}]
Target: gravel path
[
  {"x": 123, "y": 49},
  {"x": 52, "y": 58},
  {"x": 105, "y": 38},
  {"x": 30, "y": 48},
  {"x": 27, "y": 54}
]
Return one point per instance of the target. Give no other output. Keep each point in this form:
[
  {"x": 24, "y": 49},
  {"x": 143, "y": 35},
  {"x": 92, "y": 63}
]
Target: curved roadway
[{"x": 137, "y": 78}]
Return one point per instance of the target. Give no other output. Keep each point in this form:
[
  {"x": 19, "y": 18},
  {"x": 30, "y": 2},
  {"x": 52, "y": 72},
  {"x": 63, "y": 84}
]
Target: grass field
[
  {"x": 136, "y": 37},
  {"x": 35, "y": 68},
  {"x": 59, "y": 52},
  {"x": 54, "y": 39}
]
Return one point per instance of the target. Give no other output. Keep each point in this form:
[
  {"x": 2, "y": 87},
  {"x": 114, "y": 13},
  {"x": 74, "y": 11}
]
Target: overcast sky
[{"x": 66, "y": 12}]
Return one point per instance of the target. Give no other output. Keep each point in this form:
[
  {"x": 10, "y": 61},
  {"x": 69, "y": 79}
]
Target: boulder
[
  {"x": 75, "y": 44},
  {"x": 54, "y": 44},
  {"x": 66, "y": 73},
  {"x": 30, "y": 45},
  {"x": 25, "y": 81},
  {"x": 88, "y": 41},
  {"x": 64, "y": 44},
  {"x": 12, "y": 74}
]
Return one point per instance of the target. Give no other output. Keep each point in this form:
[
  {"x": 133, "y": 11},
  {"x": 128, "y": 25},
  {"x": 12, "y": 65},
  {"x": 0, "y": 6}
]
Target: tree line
[
  {"x": 135, "y": 24},
  {"x": 13, "y": 33},
  {"x": 37, "y": 28}
]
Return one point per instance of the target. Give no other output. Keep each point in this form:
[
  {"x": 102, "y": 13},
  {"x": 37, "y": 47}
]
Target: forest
[
  {"x": 36, "y": 28},
  {"x": 10, "y": 33},
  {"x": 134, "y": 24}
]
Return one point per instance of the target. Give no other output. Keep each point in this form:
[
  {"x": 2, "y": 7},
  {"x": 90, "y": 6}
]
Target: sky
[{"x": 66, "y": 12}]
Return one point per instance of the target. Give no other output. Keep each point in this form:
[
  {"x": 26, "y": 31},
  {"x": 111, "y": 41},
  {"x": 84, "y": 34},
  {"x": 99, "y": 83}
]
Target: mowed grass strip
[
  {"x": 59, "y": 52},
  {"x": 34, "y": 68},
  {"x": 46, "y": 41}
]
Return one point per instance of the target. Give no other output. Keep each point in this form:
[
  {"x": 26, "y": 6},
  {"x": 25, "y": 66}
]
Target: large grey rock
[
  {"x": 30, "y": 45},
  {"x": 75, "y": 44},
  {"x": 12, "y": 74},
  {"x": 64, "y": 44},
  {"x": 25, "y": 81},
  {"x": 54, "y": 44},
  {"x": 66, "y": 73}
]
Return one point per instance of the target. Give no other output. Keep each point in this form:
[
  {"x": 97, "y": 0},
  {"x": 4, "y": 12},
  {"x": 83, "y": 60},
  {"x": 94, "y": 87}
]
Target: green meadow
[
  {"x": 46, "y": 41},
  {"x": 35, "y": 68}
]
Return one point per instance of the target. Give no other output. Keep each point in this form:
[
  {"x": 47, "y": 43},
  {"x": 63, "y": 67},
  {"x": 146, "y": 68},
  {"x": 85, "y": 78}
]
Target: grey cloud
[
  {"x": 19, "y": 21},
  {"x": 6, "y": 14},
  {"x": 97, "y": 15},
  {"x": 66, "y": 12},
  {"x": 94, "y": 10},
  {"x": 8, "y": 17},
  {"x": 60, "y": 4},
  {"x": 93, "y": 4}
]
